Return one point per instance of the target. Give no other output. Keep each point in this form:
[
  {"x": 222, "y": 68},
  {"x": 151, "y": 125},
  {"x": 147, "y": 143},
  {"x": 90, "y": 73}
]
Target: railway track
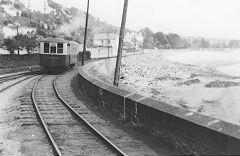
[
  {"x": 15, "y": 77},
  {"x": 67, "y": 131}
]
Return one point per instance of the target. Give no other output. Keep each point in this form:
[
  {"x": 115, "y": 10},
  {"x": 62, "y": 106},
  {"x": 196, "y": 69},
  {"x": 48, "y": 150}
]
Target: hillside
[
  {"x": 58, "y": 19},
  {"x": 70, "y": 22}
]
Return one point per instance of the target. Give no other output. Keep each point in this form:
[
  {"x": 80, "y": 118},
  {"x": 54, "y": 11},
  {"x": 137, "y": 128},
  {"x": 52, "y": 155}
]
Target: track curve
[{"x": 57, "y": 116}]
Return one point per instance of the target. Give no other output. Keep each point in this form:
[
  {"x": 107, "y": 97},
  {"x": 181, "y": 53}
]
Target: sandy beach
[
  {"x": 206, "y": 82},
  {"x": 201, "y": 81}
]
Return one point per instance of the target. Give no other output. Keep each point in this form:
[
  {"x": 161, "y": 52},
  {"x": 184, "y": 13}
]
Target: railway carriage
[{"x": 58, "y": 53}]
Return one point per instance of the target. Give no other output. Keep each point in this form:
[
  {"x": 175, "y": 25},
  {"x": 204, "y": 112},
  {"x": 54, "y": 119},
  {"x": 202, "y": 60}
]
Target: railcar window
[
  {"x": 53, "y": 48},
  {"x": 60, "y": 48},
  {"x": 46, "y": 47}
]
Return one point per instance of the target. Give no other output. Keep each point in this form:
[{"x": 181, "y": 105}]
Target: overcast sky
[{"x": 207, "y": 18}]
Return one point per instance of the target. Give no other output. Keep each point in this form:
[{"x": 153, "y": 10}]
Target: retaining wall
[{"x": 188, "y": 132}]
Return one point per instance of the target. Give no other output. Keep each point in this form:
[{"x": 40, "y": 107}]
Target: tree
[
  {"x": 6, "y": 2},
  {"x": 147, "y": 38},
  {"x": 196, "y": 43},
  {"x": 28, "y": 42},
  {"x": 1, "y": 38},
  {"x": 18, "y": 5},
  {"x": 11, "y": 45},
  {"x": 54, "y": 5},
  {"x": 176, "y": 41},
  {"x": 234, "y": 44},
  {"x": 159, "y": 40},
  {"x": 204, "y": 43},
  {"x": 25, "y": 14}
]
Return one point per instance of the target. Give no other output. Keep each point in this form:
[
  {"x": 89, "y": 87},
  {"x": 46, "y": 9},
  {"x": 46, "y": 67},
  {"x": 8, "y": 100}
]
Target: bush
[
  {"x": 25, "y": 14},
  {"x": 18, "y": 5},
  {"x": 28, "y": 42},
  {"x": 6, "y": 2},
  {"x": 1, "y": 38},
  {"x": 11, "y": 45},
  {"x": 8, "y": 21}
]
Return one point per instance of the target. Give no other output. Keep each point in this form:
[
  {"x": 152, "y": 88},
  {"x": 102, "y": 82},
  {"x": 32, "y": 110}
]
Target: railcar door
[
  {"x": 53, "y": 48},
  {"x": 53, "y": 60}
]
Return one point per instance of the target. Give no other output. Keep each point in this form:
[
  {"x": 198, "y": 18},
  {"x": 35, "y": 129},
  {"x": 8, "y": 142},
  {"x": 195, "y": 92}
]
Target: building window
[
  {"x": 53, "y": 47},
  {"x": 60, "y": 48},
  {"x": 46, "y": 47}
]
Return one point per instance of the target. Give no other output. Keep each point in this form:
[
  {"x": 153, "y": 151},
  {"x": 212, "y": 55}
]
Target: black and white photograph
[{"x": 119, "y": 77}]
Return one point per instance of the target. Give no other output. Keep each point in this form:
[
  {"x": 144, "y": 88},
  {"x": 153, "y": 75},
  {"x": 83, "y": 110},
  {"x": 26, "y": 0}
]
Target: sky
[{"x": 204, "y": 18}]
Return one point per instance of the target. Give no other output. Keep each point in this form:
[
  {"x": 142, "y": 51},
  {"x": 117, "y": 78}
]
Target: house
[
  {"x": 133, "y": 40},
  {"x": 106, "y": 40},
  {"x": 107, "y": 44}
]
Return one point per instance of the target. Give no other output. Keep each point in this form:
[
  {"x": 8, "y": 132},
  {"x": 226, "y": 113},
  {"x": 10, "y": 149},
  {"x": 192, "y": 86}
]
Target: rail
[
  {"x": 45, "y": 127},
  {"x": 80, "y": 119},
  {"x": 94, "y": 130},
  {"x": 11, "y": 85}
]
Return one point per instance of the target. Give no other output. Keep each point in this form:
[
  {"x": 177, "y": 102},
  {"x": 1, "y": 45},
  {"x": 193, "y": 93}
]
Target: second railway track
[
  {"x": 14, "y": 80},
  {"x": 68, "y": 133},
  {"x": 16, "y": 76}
]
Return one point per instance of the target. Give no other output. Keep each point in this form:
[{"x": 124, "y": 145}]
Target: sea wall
[{"x": 186, "y": 131}]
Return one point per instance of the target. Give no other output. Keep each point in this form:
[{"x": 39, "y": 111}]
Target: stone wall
[{"x": 186, "y": 131}]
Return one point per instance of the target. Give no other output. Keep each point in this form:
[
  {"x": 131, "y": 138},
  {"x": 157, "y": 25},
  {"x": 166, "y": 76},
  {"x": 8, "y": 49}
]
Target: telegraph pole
[
  {"x": 120, "y": 45},
  {"x": 18, "y": 39},
  {"x": 85, "y": 34},
  {"x": 134, "y": 48},
  {"x": 108, "y": 44},
  {"x": 29, "y": 7}
]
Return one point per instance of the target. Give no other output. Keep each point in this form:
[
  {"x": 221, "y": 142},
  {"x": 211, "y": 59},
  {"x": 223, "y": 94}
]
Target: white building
[
  {"x": 133, "y": 39},
  {"x": 107, "y": 44},
  {"x": 106, "y": 39},
  {"x": 10, "y": 31}
]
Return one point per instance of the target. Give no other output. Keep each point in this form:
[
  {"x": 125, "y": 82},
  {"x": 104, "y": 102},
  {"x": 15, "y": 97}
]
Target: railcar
[{"x": 58, "y": 53}]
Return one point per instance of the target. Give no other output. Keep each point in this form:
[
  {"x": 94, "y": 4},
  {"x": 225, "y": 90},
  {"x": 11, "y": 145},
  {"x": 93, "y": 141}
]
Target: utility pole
[
  {"x": 143, "y": 45},
  {"x": 134, "y": 39},
  {"x": 29, "y": 7},
  {"x": 108, "y": 44},
  {"x": 30, "y": 16},
  {"x": 85, "y": 34},
  {"x": 44, "y": 6},
  {"x": 144, "y": 37},
  {"x": 120, "y": 45},
  {"x": 18, "y": 39}
]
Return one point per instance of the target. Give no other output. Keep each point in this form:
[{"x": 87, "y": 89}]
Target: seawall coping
[{"x": 222, "y": 130}]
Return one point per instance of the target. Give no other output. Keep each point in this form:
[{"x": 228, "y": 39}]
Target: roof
[
  {"x": 52, "y": 39},
  {"x": 57, "y": 40},
  {"x": 105, "y": 36}
]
